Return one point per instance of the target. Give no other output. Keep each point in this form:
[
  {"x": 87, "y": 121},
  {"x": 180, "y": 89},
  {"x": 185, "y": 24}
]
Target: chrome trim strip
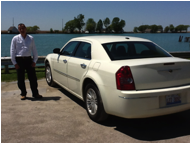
[
  {"x": 60, "y": 72},
  {"x": 73, "y": 78},
  {"x": 67, "y": 75},
  {"x": 138, "y": 97}
]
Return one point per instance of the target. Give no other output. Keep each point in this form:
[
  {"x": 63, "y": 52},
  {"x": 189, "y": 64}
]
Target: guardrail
[{"x": 6, "y": 61}]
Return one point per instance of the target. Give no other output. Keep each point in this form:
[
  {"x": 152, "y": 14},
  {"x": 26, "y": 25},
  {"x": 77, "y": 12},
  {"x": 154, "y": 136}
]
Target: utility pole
[
  {"x": 13, "y": 22},
  {"x": 62, "y": 24}
]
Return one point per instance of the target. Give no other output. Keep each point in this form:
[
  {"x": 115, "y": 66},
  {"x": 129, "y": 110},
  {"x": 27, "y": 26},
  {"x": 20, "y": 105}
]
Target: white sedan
[{"x": 124, "y": 76}]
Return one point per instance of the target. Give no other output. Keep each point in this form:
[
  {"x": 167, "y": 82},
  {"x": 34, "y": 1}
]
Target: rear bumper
[{"x": 147, "y": 103}]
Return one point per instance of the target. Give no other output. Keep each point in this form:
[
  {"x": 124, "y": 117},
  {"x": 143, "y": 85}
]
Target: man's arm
[
  {"x": 13, "y": 53},
  {"x": 35, "y": 54}
]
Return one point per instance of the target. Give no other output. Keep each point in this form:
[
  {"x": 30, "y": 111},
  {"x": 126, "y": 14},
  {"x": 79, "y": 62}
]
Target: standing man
[{"x": 21, "y": 47}]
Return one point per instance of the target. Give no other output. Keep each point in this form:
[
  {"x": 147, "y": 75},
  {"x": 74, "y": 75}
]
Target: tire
[
  {"x": 48, "y": 75},
  {"x": 94, "y": 105}
]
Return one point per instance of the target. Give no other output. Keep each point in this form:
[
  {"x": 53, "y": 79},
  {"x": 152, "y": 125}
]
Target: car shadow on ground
[
  {"x": 148, "y": 129},
  {"x": 154, "y": 128},
  {"x": 72, "y": 97}
]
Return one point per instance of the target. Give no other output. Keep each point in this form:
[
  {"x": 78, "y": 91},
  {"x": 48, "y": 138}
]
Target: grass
[{"x": 12, "y": 75}]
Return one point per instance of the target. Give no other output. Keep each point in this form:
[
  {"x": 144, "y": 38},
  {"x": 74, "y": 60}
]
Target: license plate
[{"x": 173, "y": 99}]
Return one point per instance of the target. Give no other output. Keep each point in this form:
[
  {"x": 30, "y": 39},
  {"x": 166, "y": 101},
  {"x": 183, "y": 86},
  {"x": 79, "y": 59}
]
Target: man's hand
[
  {"x": 33, "y": 64},
  {"x": 16, "y": 66}
]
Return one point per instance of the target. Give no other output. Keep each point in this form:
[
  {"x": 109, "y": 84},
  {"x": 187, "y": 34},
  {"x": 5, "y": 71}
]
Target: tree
[
  {"x": 154, "y": 28},
  {"x": 122, "y": 24},
  {"x": 180, "y": 28},
  {"x": 79, "y": 21},
  {"x": 70, "y": 26},
  {"x": 99, "y": 26},
  {"x": 90, "y": 25},
  {"x": 109, "y": 29},
  {"x": 166, "y": 29},
  {"x": 171, "y": 27},
  {"x": 186, "y": 27},
  {"x": 160, "y": 28},
  {"x": 106, "y": 23},
  {"x": 135, "y": 30},
  {"x": 142, "y": 28},
  {"x": 29, "y": 29},
  {"x": 33, "y": 29},
  {"x": 117, "y": 25},
  {"x": 56, "y": 31},
  {"x": 51, "y": 30}
]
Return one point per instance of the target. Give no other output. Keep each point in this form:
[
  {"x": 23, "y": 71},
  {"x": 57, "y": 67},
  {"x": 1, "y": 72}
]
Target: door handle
[
  {"x": 65, "y": 61},
  {"x": 83, "y": 66}
]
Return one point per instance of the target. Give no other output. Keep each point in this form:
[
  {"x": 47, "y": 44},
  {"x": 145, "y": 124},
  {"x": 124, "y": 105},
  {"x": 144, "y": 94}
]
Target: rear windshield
[{"x": 133, "y": 50}]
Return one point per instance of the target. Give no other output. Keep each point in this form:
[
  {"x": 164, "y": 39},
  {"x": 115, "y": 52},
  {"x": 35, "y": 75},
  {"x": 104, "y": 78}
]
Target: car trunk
[{"x": 156, "y": 73}]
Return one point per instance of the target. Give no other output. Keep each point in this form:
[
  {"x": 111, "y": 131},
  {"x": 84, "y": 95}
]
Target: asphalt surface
[{"x": 60, "y": 117}]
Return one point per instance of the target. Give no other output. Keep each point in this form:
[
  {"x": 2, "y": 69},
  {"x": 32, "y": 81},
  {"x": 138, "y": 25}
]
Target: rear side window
[
  {"x": 83, "y": 51},
  {"x": 133, "y": 50}
]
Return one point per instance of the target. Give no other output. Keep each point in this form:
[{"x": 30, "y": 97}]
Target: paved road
[{"x": 61, "y": 118}]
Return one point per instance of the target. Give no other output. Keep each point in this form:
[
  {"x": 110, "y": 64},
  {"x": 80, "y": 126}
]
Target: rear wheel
[
  {"x": 49, "y": 78},
  {"x": 94, "y": 105}
]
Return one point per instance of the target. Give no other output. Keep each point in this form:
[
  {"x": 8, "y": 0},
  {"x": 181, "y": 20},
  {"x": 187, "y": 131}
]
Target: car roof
[{"x": 110, "y": 38}]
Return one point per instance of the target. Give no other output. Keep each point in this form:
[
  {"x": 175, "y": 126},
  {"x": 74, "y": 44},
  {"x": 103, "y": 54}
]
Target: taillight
[{"x": 124, "y": 79}]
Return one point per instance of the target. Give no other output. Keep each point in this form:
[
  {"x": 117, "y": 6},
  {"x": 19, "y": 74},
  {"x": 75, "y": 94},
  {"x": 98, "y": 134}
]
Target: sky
[{"x": 50, "y": 14}]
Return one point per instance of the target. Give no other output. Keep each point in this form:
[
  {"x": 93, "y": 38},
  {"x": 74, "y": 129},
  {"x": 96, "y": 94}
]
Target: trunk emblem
[{"x": 170, "y": 70}]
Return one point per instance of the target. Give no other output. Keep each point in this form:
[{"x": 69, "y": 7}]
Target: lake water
[{"x": 45, "y": 43}]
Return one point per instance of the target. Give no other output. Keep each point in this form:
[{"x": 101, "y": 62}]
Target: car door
[
  {"x": 78, "y": 66},
  {"x": 60, "y": 65}
]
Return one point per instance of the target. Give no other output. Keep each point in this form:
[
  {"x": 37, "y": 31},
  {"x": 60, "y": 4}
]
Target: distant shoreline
[{"x": 48, "y": 32}]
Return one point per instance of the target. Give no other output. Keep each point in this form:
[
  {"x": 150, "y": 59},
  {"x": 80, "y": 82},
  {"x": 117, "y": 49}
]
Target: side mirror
[{"x": 56, "y": 50}]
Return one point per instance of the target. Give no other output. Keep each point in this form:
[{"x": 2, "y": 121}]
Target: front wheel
[
  {"x": 49, "y": 79},
  {"x": 94, "y": 105}
]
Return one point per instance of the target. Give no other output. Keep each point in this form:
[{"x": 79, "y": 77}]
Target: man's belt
[{"x": 23, "y": 57}]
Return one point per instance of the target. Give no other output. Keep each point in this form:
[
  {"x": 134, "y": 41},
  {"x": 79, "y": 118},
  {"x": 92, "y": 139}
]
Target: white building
[{"x": 13, "y": 29}]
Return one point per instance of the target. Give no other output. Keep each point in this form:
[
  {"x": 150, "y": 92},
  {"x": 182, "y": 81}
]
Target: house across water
[{"x": 13, "y": 30}]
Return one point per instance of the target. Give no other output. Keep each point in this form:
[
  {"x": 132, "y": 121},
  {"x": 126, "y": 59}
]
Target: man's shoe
[
  {"x": 37, "y": 96},
  {"x": 23, "y": 97}
]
